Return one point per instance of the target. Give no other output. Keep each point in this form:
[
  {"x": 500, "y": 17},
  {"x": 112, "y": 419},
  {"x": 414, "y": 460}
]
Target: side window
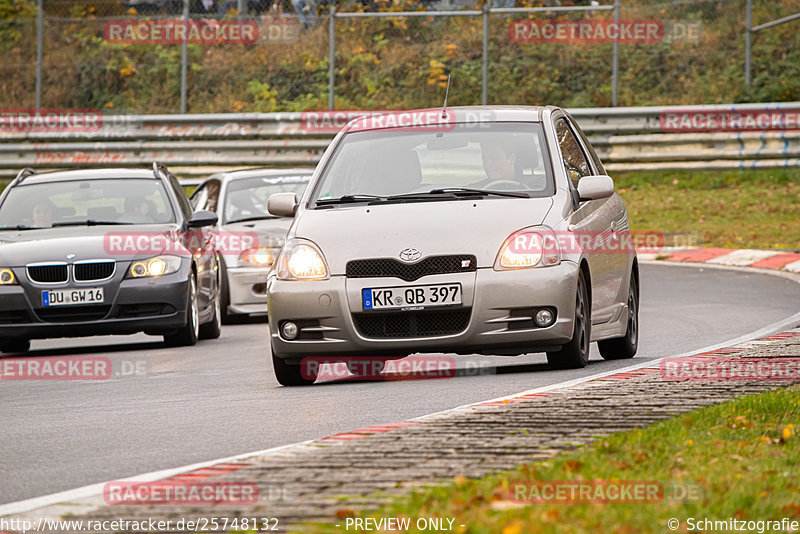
[
  {"x": 213, "y": 196},
  {"x": 199, "y": 197},
  {"x": 589, "y": 148},
  {"x": 574, "y": 159},
  {"x": 180, "y": 194}
]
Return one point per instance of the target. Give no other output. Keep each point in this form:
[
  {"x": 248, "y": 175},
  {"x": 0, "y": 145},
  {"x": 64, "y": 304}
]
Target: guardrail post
[
  {"x": 331, "y": 56},
  {"x": 485, "y": 54},
  {"x": 748, "y": 43},
  {"x": 39, "y": 46},
  {"x": 184, "y": 57},
  {"x": 615, "y": 59}
]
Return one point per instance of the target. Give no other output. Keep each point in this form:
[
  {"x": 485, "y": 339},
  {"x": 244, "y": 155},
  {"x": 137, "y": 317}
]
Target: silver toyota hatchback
[{"x": 491, "y": 230}]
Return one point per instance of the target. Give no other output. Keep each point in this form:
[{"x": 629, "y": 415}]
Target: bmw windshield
[
  {"x": 503, "y": 159},
  {"x": 77, "y": 202}
]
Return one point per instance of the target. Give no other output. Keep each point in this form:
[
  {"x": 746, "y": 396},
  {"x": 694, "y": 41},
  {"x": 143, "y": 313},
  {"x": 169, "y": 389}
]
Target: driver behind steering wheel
[{"x": 499, "y": 163}]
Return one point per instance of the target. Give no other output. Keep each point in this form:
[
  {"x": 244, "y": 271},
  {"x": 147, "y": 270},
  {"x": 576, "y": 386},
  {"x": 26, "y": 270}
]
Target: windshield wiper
[
  {"x": 256, "y": 218},
  {"x": 450, "y": 193},
  {"x": 459, "y": 191},
  {"x": 89, "y": 222},
  {"x": 347, "y": 199},
  {"x": 22, "y": 227}
]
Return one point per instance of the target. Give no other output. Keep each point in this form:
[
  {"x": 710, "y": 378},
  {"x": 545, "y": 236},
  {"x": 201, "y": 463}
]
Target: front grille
[
  {"x": 390, "y": 267},
  {"x": 96, "y": 270},
  {"x": 48, "y": 274},
  {"x": 72, "y": 314},
  {"x": 412, "y": 324}
]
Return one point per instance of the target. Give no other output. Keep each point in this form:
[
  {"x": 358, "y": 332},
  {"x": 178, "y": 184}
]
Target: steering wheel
[{"x": 494, "y": 185}]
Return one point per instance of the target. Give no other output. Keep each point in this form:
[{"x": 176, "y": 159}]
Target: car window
[
  {"x": 199, "y": 197},
  {"x": 213, "y": 195},
  {"x": 124, "y": 200},
  {"x": 575, "y": 162},
  {"x": 501, "y": 156},
  {"x": 246, "y": 198},
  {"x": 589, "y": 148},
  {"x": 206, "y": 197}
]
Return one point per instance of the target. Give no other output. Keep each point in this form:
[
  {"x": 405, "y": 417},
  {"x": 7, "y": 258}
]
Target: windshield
[
  {"x": 486, "y": 156},
  {"x": 246, "y": 198},
  {"x": 114, "y": 200}
]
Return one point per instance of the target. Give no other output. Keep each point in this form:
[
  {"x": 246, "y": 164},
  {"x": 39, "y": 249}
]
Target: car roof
[
  {"x": 86, "y": 174},
  {"x": 265, "y": 173},
  {"x": 475, "y": 114}
]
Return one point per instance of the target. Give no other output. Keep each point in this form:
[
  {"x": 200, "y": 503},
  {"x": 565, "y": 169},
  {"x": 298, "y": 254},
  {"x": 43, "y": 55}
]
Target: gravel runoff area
[{"x": 307, "y": 482}]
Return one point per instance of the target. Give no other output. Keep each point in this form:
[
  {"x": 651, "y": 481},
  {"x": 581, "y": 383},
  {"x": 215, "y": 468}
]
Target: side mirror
[
  {"x": 282, "y": 204},
  {"x": 595, "y": 187},
  {"x": 202, "y": 218}
]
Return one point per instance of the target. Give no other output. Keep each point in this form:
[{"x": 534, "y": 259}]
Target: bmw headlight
[
  {"x": 301, "y": 260},
  {"x": 7, "y": 277},
  {"x": 157, "y": 266},
  {"x": 530, "y": 247},
  {"x": 258, "y": 257}
]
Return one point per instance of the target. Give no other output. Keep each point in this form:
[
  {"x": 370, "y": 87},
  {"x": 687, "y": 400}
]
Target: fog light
[
  {"x": 544, "y": 317},
  {"x": 289, "y": 330},
  {"x": 6, "y": 276}
]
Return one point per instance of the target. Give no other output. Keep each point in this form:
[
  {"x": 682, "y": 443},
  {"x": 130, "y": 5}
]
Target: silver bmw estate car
[
  {"x": 491, "y": 230},
  {"x": 249, "y": 237}
]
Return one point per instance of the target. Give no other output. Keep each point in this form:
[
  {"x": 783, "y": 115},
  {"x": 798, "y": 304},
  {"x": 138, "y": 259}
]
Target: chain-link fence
[{"x": 210, "y": 56}]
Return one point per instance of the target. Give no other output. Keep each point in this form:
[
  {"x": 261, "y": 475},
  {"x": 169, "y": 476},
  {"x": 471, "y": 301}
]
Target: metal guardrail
[{"x": 627, "y": 139}]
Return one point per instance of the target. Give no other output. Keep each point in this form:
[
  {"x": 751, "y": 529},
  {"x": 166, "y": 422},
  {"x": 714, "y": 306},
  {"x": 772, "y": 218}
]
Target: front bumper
[
  {"x": 247, "y": 290},
  {"x": 327, "y": 313},
  {"x": 152, "y": 305}
]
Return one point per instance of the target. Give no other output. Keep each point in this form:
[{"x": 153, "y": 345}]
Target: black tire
[
  {"x": 624, "y": 347},
  {"x": 213, "y": 328},
  {"x": 225, "y": 295},
  {"x": 289, "y": 374},
  {"x": 187, "y": 336},
  {"x": 15, "y": 345},
  {"x": 575, "y": 354}
]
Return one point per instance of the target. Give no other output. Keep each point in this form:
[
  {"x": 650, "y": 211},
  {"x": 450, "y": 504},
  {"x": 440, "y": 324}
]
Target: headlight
[
  {"x": 158, "y": 266},
  {"x": 7, "y": 277},
  {"x": 531, "y": 247},
  {"x": 301, "y": 260},
  {"x": 258, "y": 257}
]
